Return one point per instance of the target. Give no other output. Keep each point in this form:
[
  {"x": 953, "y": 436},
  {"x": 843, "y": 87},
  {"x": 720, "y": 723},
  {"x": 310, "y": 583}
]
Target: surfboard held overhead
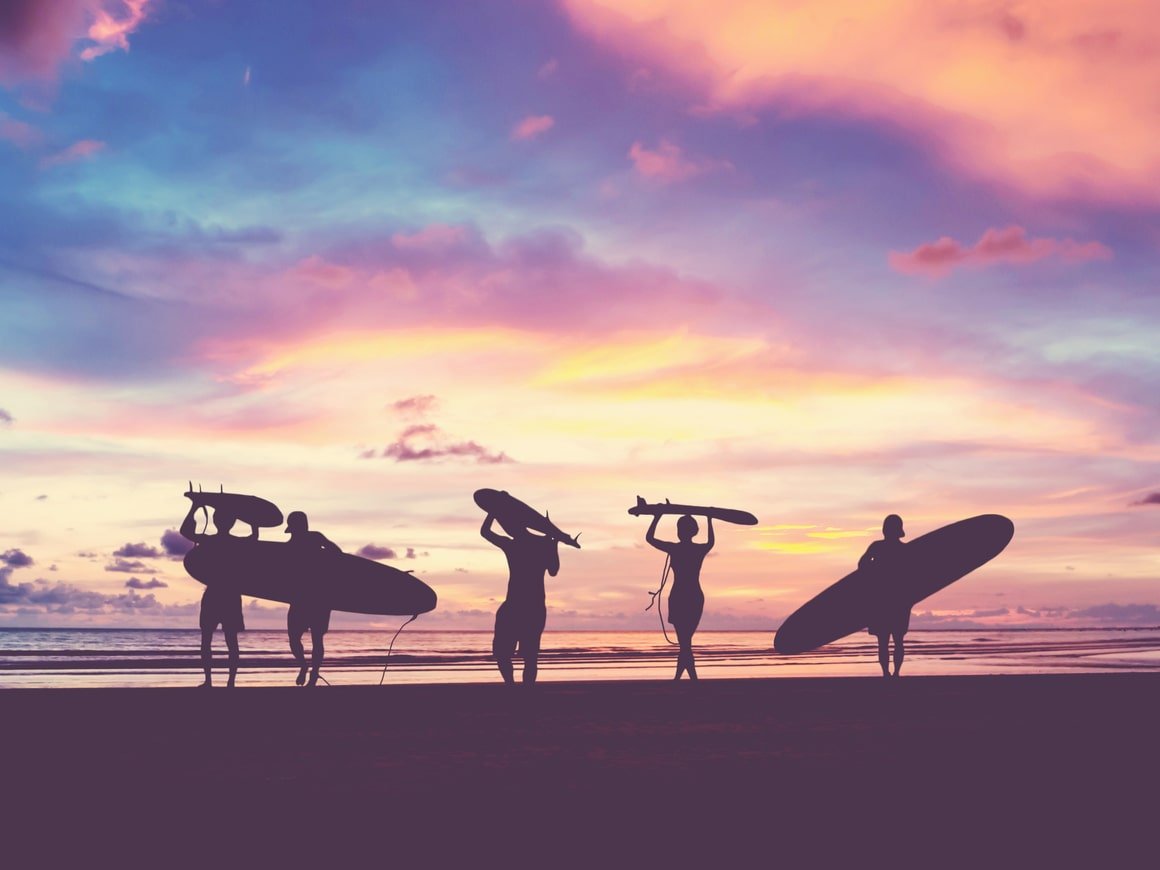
[
  {"x": 667, "y": 508},
  {"x": 510, "y": 512},
  {"x": 250, "y": 509}
]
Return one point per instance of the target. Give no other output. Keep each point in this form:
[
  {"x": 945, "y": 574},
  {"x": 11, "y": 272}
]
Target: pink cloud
[
  {"x": 19, "y": 133},
  {"x": 80, "y": 150},
  {"x": 1055, "y": 98},
  {"x": 1009, "y": 245},
  {"x": 433, "y": 238},
  {"x": 548, "y": 69},
  {"x": 37, "y": 36},
  {"x": 532, "y": 126},
  {"x": 668, "y": 164}
]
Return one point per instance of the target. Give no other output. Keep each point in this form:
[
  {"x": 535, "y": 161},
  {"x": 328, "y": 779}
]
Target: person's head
[
  {"x": 687, "y": 528},
  {"x": 892, "y": 527},
  {"x": 297, "y": 522},
  {"x": 223, "y": 520}
]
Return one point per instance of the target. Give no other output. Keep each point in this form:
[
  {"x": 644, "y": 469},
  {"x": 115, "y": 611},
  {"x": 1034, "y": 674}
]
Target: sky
[{"x": 821, "y": 262}]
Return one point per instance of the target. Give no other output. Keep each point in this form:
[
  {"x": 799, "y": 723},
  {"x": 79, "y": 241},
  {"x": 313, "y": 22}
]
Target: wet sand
[{"x": 952, "y": 771}]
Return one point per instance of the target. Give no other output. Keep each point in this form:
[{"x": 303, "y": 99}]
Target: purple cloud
[
  {"x": 127, "y": 566},
  {"x": 138, "y": 551},
  {"x": 6, "y": 418},
  {"x": 175, "y": 544},
  {"x": 424, "y": 442},
  {"x": 152, "y": 583},
  {"x": 1150, "y": 498},
  {"x": 374, "y": 551},
  {"x": 16, "y": 559}
]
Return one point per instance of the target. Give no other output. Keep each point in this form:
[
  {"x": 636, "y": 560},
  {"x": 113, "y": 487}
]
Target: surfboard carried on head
[
  {"x": 279, "y": 571},
  {"x": 666, "y": 508},
  {"x": 257, "y": 512},
  {"x": 513, "y": 513},
  {"x": 928, "y": 563}
]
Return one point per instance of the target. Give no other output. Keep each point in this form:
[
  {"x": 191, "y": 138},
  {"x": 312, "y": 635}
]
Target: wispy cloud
[
  {"x": 668, "y": 163},
  {"x": 532, "y": 127},
  {"x": 1010, "y": 245},
  {"x": 81, "y": 150},
  {"x": 424, "y": 442}
]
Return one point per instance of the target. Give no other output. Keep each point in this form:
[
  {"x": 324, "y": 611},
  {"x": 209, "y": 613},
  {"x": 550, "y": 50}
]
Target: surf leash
[
  {"x": 656, "y": 598},
  {"x": 387, "y": 663}
]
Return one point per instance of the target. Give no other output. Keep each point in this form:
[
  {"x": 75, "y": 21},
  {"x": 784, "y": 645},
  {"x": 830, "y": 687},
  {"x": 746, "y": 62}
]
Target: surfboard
[
  {"x": 513, "y": 513},
  {"x": 931, "y": 562},
  {"x": 250, "y": 509},
  {"x": 726, "y": 515},
  {"x": 279, "y": 571}
]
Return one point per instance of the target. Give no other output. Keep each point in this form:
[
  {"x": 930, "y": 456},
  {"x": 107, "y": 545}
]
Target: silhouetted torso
[
  {"x": 687, "y": 599},
  {"x": 529, "y": 558},
  {"x": 891, "y": 611}
]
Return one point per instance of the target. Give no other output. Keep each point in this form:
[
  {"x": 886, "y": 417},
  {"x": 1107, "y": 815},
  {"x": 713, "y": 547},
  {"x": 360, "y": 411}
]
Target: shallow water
[{"x": 146, "y": 657}]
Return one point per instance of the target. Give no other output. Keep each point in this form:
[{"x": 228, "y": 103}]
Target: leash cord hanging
[
  {"x": 387, "y": 663},
  {"x": 656, "y": 598}
]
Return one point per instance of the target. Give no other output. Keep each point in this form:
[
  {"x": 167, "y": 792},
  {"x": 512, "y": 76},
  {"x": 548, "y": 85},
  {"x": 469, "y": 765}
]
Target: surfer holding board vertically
[
  {"x": 520, "y": 620},
  {"x": 685, "y": 557}
]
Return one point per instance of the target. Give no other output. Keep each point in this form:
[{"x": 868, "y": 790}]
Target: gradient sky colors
[{"x": 821, "y": 262}]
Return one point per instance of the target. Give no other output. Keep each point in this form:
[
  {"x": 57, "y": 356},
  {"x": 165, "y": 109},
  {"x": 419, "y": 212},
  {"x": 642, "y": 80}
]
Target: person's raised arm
[
  {"x": 710, "y": 539},
  {"x": 651, "y": 535},
  {"x": 489, "y": 535},
  {"x": 188, "y": 528}
]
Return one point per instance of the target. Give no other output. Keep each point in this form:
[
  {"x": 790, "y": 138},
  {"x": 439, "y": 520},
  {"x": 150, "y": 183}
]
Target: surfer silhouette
[
  {"x": 519, "y": 621},
  {"x": 890, "y": 615},
  {"x": 308, "y": 611},
  {"x": 221, "y": 603},
  {"x": 686, "y": 600}
]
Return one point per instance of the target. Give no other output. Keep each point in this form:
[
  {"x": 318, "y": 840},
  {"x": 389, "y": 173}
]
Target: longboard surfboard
[
  {"x": 279, "y": 571},
  {"x": 725, "y": 515},
  {"x": 257, "y": 512},
  {"x": 929, "y": 563},
  {"x": 511, "y": 512}
]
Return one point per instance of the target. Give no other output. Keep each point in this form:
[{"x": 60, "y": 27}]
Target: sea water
[{"x": 75, "y": 658}]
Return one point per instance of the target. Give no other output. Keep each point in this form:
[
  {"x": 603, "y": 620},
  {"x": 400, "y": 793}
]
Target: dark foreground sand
[{"x": 946, "y": 771}]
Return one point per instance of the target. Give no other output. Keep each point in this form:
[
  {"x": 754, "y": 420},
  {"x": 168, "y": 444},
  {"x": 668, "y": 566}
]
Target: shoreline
[{"x": 1044, "y": 765}]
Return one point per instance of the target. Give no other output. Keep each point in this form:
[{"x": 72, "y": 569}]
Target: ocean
[{"x": 76, "y": 658}]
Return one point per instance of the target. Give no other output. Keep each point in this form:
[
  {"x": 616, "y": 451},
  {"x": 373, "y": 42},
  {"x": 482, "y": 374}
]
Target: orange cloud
[
  {"x": 1009, "y": 245},
  {"x": 111, "y": 33},
  {"x": 1052, "y": 97},
  {"x": 532, "y": 126},
  {"x": 668, "y": 163}
]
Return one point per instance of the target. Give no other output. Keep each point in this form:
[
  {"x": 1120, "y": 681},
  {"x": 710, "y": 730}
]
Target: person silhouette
[
  {"x": 221, "y": 603},
  {"x": 890, "y": 614},
  {"x": 308, "y": 610},
  {"x": 686, "y": 600},
  {"x": 520, "y": 619}
]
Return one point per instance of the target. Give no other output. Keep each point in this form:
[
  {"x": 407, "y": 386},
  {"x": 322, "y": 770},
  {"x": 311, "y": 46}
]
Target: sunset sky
[{"x": 817, "y": 261}]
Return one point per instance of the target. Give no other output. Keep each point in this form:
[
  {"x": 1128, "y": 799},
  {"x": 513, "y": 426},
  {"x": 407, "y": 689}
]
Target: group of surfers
[{"x": 520, "y": 619}]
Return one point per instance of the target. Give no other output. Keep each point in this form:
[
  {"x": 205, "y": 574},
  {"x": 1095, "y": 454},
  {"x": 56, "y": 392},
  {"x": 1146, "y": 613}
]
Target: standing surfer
[
  {"x": 221, "y": 603},
  {"x": 890, "y": 615},
  {"x": 686, "y": 600},
  {"x": 308, "y": 611},
  {"x": 520, "y": 619}
]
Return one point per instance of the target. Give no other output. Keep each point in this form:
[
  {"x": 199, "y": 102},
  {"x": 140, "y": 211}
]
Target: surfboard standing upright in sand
[
  {"x": 684, "y": 557},
  {"x": 924, "y": 566},
  {"x": 520, "y": 619}
]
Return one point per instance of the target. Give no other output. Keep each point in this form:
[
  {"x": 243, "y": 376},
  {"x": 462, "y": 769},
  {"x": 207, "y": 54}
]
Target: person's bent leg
[
  {"x": 884, "y": 653},
  {"x": 530, "y": 653},
  {"x": 899, "y": 652},
  {"x": 207, "y": 656},
  {"x": 232, "y": 646}
]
